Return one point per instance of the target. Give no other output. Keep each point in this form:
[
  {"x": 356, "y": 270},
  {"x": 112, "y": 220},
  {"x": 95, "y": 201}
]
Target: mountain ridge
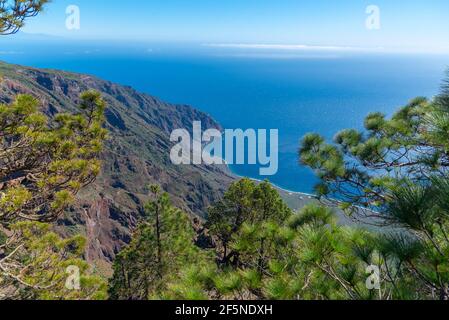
[{"x": 136, "y": 154}]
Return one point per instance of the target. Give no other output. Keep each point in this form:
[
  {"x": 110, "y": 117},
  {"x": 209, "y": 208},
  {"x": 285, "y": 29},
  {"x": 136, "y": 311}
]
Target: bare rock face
[
  {"x": 106, "y": 233},
  {"x": 136, "y": 154}
]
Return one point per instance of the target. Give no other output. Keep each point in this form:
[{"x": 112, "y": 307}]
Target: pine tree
[
  {"x": 43, "y": 164},
  {"x": 13, "y": 13},
  {"x": 249, "y": 228},
  {"x": 227, "y": 216},
  {"x": 394, "y": 175},
  {"x": 162, "y": 245},
  {"x": 37, "y": 264}
]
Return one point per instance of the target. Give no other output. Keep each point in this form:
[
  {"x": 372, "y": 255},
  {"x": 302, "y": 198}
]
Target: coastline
[{"x": 287, "y": 191}]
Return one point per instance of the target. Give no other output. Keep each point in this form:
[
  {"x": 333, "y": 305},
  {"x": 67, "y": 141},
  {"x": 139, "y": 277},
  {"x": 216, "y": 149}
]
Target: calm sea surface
[{"x": 295, "y": 93}]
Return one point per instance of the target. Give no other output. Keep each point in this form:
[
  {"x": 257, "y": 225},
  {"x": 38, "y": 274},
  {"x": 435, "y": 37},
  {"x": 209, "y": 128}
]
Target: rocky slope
[{"x": 137, "y": 154}]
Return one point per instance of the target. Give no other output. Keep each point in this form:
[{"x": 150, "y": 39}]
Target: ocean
[{"x": 296, "y": 93}]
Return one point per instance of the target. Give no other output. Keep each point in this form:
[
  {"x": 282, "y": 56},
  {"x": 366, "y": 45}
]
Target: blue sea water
[{"x": 295, "y": 93}]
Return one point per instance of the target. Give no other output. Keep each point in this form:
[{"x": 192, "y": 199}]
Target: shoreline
[{"x": 289, "y": 192}]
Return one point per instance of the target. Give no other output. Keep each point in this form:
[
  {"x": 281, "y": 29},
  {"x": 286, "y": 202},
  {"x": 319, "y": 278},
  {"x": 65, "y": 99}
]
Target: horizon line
[{"x": 251, "y": 46}]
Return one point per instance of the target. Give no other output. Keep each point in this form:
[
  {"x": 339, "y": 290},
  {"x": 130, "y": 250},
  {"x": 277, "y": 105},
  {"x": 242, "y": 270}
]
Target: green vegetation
[
  {"x": 135, "y": 154},
  {"x": 393, "y": 176},
  {"x": 43, "y": 164},
  {"x": 247, "y": 237},
  {"x": 252, "y": 246},
  {"x": 262, "y": 251},
  {"x": 37, "y": 267},
  {"x": 162, "y": 245},
  {"x": 13, "y": 13},
  {"x": 396, "y": 175}
]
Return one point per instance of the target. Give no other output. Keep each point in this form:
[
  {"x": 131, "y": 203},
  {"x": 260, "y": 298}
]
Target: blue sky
[{"x": 417, "y": 24}]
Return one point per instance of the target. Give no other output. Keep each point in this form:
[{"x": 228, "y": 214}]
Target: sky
[{"x": 413, "y": 24}]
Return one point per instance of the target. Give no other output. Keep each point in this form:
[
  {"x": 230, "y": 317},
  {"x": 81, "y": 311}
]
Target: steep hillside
[{"x": 137, "y": 154}]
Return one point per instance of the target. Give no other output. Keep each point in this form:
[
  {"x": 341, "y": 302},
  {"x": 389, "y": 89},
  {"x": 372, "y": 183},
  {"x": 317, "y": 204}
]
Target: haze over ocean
[{"x": 297, "y": 93}]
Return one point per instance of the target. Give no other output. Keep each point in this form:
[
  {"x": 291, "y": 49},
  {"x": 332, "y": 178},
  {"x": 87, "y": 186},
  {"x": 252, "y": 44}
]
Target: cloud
[
  {"x": 284, "y": 56},
  {"x": 300, "y": 48},
  {"x": 290, "y": 47}
]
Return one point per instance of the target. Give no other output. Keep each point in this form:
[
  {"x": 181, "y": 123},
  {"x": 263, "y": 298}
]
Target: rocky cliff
[{"x": 136, "y": 154}]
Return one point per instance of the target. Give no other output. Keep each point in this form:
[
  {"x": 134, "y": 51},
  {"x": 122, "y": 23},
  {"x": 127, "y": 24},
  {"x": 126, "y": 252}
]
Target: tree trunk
[{"x": 444, "y": 293}]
